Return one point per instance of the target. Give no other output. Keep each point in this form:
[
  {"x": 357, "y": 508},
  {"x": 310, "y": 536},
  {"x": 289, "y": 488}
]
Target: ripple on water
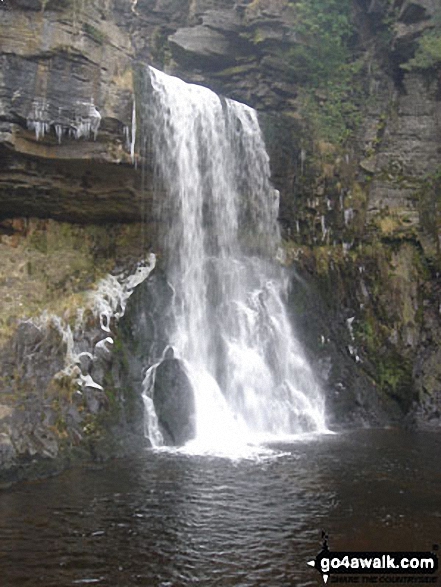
[{"x": 171, "y": 518}]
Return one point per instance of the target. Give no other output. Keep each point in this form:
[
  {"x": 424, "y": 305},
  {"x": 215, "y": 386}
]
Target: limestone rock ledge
[{"x": 66, "y": 112}]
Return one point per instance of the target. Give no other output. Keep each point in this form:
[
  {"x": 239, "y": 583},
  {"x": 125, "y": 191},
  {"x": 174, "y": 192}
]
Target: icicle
[
  {"x": 109, "y": 300},
  {"x": 302, "y": 160},
  {"x": 348, "y": 215},
  {"x": 133, "y": 141},
  {"x": 349, "y": 322}
]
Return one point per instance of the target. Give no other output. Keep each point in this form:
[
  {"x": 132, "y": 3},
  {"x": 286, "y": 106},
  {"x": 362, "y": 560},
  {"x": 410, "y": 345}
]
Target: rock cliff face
[
  {"x": 361, "y": 217},
  {"x": 373, "y": 223}
]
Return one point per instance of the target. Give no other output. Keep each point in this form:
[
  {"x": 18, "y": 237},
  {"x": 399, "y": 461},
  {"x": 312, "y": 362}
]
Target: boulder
[{"x": 174, "y": 403}]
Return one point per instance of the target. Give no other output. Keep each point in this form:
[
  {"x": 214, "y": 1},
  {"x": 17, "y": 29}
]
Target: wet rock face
[
  {"x": 145, "y": 326},
  {"x": 144, "y": 331},
  {"x": 173, "y": 399},
  {"x": 28, "y": 363},
  {"x": 320, "y": 321},
  {"x": 427, "y": 415},
  {"x": 144, "y": 335}
]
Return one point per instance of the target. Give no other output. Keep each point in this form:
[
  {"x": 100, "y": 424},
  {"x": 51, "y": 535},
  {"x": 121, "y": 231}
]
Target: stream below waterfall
[{"x": 168, "y": 519}]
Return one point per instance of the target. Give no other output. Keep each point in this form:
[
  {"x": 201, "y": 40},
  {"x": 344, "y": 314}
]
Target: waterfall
[{"x": 249, "y": 375}]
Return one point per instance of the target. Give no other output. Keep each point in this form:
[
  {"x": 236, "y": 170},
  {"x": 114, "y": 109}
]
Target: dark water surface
[{"x": 170, "y": 520}]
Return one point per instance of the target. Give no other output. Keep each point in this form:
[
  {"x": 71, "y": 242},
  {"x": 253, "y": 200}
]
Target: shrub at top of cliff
[
  {"x": 428, "y": 53},
  {"x": 428, "y": 46},
  {"x": 325, "y": 65}
]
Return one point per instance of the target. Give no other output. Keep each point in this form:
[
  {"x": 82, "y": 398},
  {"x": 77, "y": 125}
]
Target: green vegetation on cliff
[
  {"x": 428, "y": 47},
  {"x": 327, "y": 68},
  {"x": 428, "y": 53},
  {"x": 324, "y": 27}
]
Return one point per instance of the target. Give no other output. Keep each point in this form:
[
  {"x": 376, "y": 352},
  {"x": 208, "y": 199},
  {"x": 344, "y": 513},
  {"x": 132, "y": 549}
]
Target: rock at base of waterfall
[{"x": 174, "y": 403}]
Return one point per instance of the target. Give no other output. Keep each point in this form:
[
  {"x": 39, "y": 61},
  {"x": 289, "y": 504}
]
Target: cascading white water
[{"x": 247, "y": 369}]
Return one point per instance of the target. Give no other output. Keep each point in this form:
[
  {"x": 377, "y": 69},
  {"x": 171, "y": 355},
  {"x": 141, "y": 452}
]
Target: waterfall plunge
[{"x": 249, "y": 375}]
